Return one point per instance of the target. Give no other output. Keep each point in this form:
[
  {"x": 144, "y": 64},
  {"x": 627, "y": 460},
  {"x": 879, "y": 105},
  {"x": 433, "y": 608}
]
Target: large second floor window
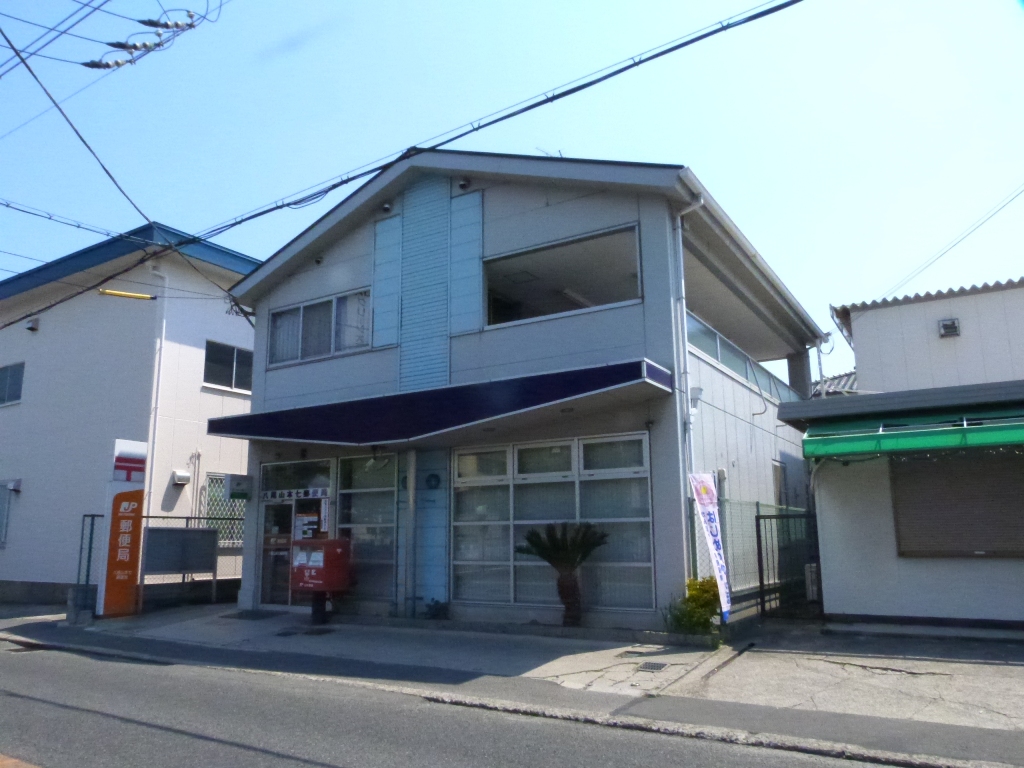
[
  {"x": 228, "y": 366},
  {"x": 591, "y": 272},
  {"x": 11, "y": 377},
  {"x": 320, "y": 328}
]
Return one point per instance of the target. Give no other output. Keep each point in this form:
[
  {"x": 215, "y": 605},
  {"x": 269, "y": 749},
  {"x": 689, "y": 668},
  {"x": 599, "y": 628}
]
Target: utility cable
[
  {"x": 507, "y": 114},
  {"x": 956, "y": 241},
  {"x": 51, "y": 29},
  {"x": 92, "y": 10},
  {"x": 73, "y": 128},
  {"x": 22, "y": 208}
]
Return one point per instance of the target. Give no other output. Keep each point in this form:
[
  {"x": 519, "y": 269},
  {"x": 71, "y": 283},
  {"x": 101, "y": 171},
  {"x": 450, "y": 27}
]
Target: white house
[
  {"x": 80, "y": 370},
  {"x": 919, "y": 484},
  {"x": 511, "y": 332}
]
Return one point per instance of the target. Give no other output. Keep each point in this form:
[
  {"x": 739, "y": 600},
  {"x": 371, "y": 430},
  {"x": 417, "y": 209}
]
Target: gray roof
[
  {"x": 840, "y": 384},
  {"x": 802, "y": 413},
  {"x": 841, "y": 314}
]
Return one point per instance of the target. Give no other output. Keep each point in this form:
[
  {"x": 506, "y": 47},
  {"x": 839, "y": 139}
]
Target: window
[
  {"x": 701, "y": 336},
  {"x": 228, "y": 366},
  {"x": 332, "y": 326},
  {"x": 592, "y": 272},
  {"x": 963, "y": 504},
  {"x": 366, "y": 517},
  {"x": 500, "y": 494},
  {"x": 11, "y": 377},
  {"x": 226, "y": 515}
]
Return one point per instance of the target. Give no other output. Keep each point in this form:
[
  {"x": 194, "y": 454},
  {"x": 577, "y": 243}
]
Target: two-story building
[
  {"x": 473, "y": 345},
  {"x": 85, "y": 374},
  {"x": 919, "y": 483}
]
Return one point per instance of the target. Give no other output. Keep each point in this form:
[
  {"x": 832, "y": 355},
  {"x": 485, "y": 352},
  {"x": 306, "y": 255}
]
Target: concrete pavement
[{"x": 953, "y": 698}]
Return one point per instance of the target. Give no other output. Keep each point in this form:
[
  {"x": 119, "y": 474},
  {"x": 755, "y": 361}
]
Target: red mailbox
[{"x": 321, "y": 565}]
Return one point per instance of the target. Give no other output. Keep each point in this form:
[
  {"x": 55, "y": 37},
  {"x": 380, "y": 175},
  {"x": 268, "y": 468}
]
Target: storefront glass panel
[
  {"x": 605, "y": 481},
  {"x": 366, "y": 516}
]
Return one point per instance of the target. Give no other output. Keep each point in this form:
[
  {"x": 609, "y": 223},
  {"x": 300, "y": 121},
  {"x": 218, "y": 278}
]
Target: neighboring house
[
  {"x": 918, "y": 487},
  {"x": 510, "y": 332},
  {"x": 79, "y": 374}
]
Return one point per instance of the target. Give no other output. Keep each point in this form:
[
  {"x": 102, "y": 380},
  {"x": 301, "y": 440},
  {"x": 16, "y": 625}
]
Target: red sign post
[{"x": 120, "y": 595}]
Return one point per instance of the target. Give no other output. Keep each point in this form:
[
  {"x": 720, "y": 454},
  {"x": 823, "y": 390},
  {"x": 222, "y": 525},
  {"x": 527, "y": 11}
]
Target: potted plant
[{"x": 565, "y": 547}]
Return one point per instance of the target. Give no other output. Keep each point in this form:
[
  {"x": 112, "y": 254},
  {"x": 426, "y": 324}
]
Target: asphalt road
[{"x": 62, "y": 710}]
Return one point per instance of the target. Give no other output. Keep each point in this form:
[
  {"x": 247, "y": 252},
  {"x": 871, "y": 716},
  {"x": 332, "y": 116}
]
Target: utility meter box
[
  {"x": 321, "y": 565},
  {"x": 237, "y": 487}
]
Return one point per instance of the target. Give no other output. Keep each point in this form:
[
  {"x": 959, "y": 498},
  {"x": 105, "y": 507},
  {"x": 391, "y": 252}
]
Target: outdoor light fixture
[
  {"x": 695, "y": 395},
  {"x": 126, "y": 295}
]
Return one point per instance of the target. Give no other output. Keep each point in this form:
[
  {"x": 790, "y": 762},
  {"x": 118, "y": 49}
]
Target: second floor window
[
  {"x": 228, "y": 366},
  {"x": 591, "y": 272},
  {"x": 11, "y": 377},
  {"x": 320, "y": 328}
]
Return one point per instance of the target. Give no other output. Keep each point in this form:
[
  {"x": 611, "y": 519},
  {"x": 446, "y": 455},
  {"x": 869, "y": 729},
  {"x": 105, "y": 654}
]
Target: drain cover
[{"x": 651, "y": 666}]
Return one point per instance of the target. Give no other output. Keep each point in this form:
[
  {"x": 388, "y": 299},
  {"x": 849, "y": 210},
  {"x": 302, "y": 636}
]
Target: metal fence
[
  {"x": 789, "y": 573},
  {"x": 752, "y": 551},
  {"x": 229, "y": 546}
]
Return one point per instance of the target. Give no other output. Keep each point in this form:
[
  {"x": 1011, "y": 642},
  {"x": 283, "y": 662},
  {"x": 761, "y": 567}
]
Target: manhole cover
[{"x": 651, "y": 666}]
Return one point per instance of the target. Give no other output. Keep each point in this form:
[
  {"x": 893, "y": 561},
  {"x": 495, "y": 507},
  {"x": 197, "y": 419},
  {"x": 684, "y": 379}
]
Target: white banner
[{"x": 706, "y": 498}]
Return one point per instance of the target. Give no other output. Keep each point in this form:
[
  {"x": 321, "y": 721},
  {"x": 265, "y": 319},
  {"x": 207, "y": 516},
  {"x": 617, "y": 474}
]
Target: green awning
[{"x": 897, "y": 433}]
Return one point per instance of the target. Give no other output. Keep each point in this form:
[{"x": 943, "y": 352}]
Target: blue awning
[{"x": 416, "y": 415}]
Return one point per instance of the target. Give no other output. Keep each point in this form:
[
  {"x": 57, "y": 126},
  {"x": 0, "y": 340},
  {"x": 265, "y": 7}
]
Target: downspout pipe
[
  {"x": 684, "y": 413},
  {"x": 154, "y": 408}
]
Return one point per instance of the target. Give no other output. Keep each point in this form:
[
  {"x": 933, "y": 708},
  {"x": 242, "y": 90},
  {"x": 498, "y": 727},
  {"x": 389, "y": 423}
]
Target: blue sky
[{"x": 850, "y": 140}]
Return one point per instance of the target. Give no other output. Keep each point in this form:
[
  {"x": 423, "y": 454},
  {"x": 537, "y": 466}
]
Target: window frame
[
  {"x": 21, "y": 390},
  {"x": 6, "y": 503},
  {"x": 334, "y": 352},
  {"x": 339, "y": 526},
  {"x": 577, "y": 477},
  {"x": 234, "y": 369},
  {"x": 634, "y": 226}
]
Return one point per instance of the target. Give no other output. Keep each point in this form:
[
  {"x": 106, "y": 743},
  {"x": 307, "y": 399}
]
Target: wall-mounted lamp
[
  {"x": 14, "y": 486},
  {"x": 386, "y": 207},
  {"x": 464, "y": 183},
  {"x": 695, "y": 395},
  {"x": 126, "y": 295},
  {"x": 32, "y": 324}
]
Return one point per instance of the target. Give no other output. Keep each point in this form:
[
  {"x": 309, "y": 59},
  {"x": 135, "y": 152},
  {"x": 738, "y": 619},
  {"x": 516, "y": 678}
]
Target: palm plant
[{"x": 565, "y": 548}]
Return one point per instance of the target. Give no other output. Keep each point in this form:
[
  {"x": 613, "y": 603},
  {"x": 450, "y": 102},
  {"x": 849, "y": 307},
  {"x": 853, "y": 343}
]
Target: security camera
[
  {"x": 464, "y": 183},
  {"x": 386, "y": 207}
]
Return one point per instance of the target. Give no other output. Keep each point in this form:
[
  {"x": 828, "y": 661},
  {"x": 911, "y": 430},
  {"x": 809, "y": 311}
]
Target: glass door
[{"x": 277, "y": 544}]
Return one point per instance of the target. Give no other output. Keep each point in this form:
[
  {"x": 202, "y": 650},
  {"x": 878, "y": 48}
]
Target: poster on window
[{"x": 706, "y": 500}]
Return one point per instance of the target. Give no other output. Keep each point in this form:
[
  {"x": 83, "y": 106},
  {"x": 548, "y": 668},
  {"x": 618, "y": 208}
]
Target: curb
[{"x": 738, "y": 737}]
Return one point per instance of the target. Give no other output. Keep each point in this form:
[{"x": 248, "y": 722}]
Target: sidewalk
[{"x": 955, "y": 698}]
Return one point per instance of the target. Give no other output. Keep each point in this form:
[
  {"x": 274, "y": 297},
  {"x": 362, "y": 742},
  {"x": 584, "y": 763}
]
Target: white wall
[
  {"x": 88, "y": 381},
  {"x": 862, "y": 574},
  {"x": 898, "y": 348},
  {"x": 186, "y": 404},
  {"x": 88, "y": 378},
  {"x": 735, "y": 428}
]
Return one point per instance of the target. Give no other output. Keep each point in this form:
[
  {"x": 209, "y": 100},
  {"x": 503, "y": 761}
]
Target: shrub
[{"x": 692, "y": 615}]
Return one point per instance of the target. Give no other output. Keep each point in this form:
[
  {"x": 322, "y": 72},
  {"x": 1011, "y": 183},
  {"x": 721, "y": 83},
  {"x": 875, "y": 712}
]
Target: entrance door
[{"x": 277, "y": 544}]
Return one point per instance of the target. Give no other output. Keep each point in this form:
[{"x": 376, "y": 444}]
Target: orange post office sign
[{"x": 121, "y": 593}]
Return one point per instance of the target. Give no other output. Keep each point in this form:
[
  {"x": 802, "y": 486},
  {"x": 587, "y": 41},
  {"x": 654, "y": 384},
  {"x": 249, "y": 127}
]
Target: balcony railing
[{"x": 709, "y": 341}]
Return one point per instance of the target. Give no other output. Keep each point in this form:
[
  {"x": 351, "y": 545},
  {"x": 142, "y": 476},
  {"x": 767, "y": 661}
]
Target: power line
[
  {"x": 51, "y": 29},
  {"x": 956, "y": 241},
  {"x": 45, "y": 56},
  {"x": 73, "y": 128},
  {"x": 92, "y": 10},
  {"x": 557, "y": 94},
  {"x": 69, "y": 222}
]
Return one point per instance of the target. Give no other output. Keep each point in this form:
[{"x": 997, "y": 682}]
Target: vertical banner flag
[
  {"x": 121, "y": 593},
  {"x": 706, "y": 498}
]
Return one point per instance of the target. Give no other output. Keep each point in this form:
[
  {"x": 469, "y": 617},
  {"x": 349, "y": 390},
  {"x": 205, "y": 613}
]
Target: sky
[{"x": 850, "y": 140}]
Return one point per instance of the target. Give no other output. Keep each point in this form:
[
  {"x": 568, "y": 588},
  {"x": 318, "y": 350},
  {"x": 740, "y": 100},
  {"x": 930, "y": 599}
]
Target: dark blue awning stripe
[{"x": 409, "y": 415}]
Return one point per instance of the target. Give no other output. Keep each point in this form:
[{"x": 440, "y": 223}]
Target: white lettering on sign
[
  {"x": 126, "y": 526},
  {"x": 122, "y": 554},
  {"x": 127, "y": 506},
  {"x": 124, "y": 540}
]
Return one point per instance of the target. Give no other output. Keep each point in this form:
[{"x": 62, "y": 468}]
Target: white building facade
[
  {"x": 474, "y": 345},
  {"x": 93, "y": 369},
  {"x": 918, "y": 482}
]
